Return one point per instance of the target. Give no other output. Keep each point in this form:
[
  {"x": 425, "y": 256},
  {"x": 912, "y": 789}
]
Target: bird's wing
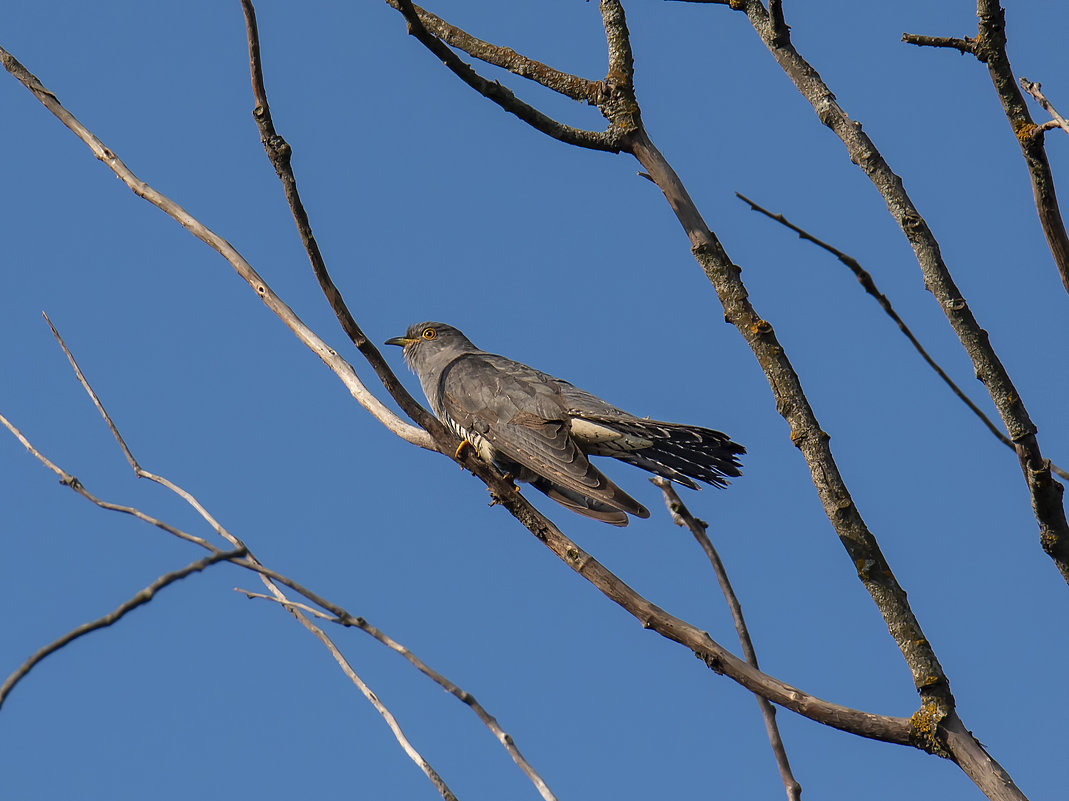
[{"x": 521, "y": 416}]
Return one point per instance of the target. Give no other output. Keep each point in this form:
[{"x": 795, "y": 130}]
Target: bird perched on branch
[{"x": 539, "y": 429}]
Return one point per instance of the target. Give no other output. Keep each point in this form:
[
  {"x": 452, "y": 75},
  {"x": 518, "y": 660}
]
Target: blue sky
[{"x": 430, "y": 203}]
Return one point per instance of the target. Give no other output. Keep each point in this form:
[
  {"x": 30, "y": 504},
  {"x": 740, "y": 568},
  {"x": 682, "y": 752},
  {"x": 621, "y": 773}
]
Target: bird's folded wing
[{"x": 521, "y": 416}]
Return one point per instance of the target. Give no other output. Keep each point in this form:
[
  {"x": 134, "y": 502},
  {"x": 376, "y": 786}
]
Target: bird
[{"x": 541, "y": 430}]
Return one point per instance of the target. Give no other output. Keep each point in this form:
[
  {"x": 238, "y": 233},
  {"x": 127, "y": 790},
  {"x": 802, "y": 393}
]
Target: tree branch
[
  {"x": 278, "y": 152},
  {"x": 682, "y": 517},
  {"x": 594, "y": 140},
  {"x": 865, "y": 279},
  {"x": 1035, "y": 90},
  {"x": 962, "y": 45},
  {"x": 140, "y": 599},
  {"x": 572, "y": 86}
]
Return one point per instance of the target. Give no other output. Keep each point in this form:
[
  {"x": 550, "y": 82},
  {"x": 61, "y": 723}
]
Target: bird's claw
[{"x": 462, "y": 450}]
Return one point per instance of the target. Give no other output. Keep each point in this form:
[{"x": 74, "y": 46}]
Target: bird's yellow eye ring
[{"x": 429, "y": 333}]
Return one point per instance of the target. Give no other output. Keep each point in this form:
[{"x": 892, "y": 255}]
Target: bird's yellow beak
[{"x": 402, "y": 341}]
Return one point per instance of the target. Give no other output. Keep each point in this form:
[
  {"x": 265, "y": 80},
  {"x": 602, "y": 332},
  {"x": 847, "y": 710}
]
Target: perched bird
[{"x": 539, "y": 429}]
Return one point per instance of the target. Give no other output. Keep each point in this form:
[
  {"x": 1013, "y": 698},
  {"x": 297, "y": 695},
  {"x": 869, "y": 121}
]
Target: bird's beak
[{"x": 402, "y": 341}]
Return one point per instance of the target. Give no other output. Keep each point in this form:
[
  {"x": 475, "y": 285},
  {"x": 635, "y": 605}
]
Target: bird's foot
[{"x": 462, "y": 450}]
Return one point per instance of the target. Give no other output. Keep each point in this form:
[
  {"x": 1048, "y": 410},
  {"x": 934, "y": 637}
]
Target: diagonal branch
[
  {"x": 140, "y": 599},
  {"x": 503, "y": 737},
  {"x": 279, "y": 151},
  {"x": 682, "y": 517},
  {"x": 865, "y": 279}
]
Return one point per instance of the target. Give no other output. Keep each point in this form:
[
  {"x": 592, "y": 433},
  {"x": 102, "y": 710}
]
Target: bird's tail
[{"x": 678, "y": 452}]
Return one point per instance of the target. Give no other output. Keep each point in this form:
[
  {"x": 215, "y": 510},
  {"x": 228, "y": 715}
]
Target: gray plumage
[{"x": 540, "y": 429}]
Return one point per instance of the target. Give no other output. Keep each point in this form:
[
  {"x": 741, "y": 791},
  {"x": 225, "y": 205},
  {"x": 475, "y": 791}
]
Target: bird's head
[{"x": 430, "y": 343}]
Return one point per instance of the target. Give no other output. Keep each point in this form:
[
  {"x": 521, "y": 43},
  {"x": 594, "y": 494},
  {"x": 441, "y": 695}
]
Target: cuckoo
[{"x": 540, "y": 430}]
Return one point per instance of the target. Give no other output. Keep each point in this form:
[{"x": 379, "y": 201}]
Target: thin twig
[
  {"x": 1035, "y": 90},
  {"x": 249, "y": 562},
  {"x": 869, "y": 285},
  {"x": 114, "y": 616},
  {"x": 68, "y": 480},
  {"x": 682, "y": 517},
  {"x": 463, "y": 695}
]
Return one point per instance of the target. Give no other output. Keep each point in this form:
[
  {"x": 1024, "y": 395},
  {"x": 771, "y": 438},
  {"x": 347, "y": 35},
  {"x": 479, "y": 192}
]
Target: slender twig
[
  {"x": 869, "y": 285},
  {"x": 463, "y": 695},
  {"x": 68, "y": 480},
  {"x": 1035, "y": 90},
  {"x": 140, "y": 599},
  {"x": 682, "y": 517},
  {"x": 341, "y": 368},
  {"x": 373, "y": 699}
]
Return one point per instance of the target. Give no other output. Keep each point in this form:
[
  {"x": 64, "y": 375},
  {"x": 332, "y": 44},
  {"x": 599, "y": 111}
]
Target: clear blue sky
[{"x": 430, "y": 203}]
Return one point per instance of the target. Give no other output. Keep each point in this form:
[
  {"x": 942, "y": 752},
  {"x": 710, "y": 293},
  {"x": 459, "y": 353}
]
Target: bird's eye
[{"x": 429, "y": 333}]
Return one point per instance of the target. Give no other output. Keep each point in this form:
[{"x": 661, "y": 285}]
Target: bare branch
[
  {"x": 279, "y": 151},
  {"x": 563, "y": 83},
  {"x": 962, "y": 45},
  {"x": 1035, "y": 90},
  {"x": 140, "y": 599},
  {"x": 373, "y": 699},
  {"x": 339, "y": 366},
  {"x": 594, "y": 140},
  {"x": 682, "y": 517},
  {"x": 488, "y": 720},
  {"x": 71, "y": 481},
  {"x": 869, "y": 285}
]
